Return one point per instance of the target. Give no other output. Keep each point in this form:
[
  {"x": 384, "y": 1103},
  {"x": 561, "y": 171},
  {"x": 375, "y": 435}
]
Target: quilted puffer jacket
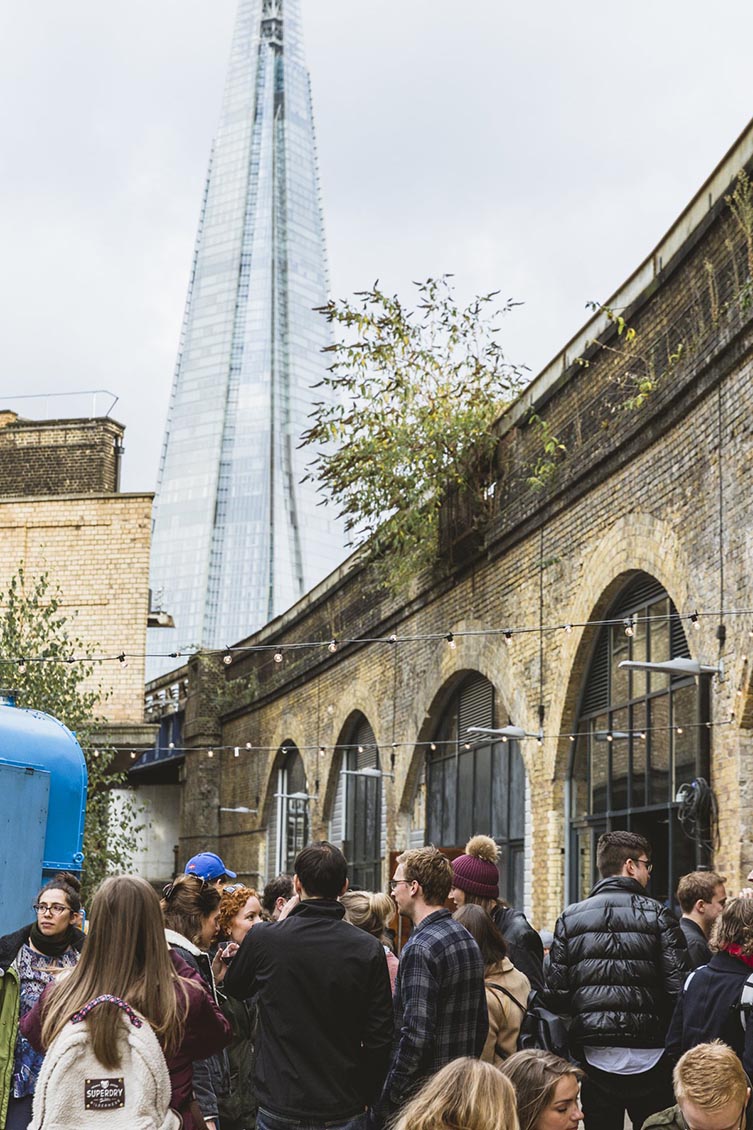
[{"x": 617, "y": 964}]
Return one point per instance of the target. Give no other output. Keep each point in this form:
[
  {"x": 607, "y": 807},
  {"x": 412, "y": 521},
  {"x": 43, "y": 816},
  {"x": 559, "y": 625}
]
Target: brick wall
[
  {"x": 58, "y": 456},
  {"x": 97, "y": 551}
]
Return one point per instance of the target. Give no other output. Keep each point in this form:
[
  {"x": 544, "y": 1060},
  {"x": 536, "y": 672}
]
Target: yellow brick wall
[{"x": 96, "y": 549}]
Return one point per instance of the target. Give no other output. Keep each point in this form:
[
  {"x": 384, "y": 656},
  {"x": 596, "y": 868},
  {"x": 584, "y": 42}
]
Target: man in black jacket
[
  {"x": 701, "y": 896},
  {"x": 325, "y": 1008},
  {"x": 617, "y": 965}
]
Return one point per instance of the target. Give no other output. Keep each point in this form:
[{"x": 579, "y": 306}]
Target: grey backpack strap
[{"x": 746, "y": 1001}]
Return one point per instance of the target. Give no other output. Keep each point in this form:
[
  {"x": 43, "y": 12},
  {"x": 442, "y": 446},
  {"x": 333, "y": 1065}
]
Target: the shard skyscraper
[{"x": 237, "y": 537}]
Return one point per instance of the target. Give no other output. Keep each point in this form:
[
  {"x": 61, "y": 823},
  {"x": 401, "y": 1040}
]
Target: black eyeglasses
[
  {"x": 55, "y": 908},
  {"x": 395, "y": 882},
  {"x": 646, "y": 863}
]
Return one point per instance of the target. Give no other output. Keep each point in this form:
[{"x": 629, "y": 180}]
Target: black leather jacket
[
  {"x": 617, "y": 965},
  {"x": 524, "y": 945}
]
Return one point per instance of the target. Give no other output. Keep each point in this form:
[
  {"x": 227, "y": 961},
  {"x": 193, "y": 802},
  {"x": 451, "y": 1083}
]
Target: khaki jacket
[{"x": 504, "y": 1015}]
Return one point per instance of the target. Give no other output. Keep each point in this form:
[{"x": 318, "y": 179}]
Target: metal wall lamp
[
  {"x": 369, "y": 771},
  {"x": 679, "y": 666},
  {"x": 506, "y": 733}
]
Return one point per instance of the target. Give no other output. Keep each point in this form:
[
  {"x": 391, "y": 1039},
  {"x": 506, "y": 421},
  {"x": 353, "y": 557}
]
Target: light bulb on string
[
  {"x": 210, "y": 753},
  {"x": 236, "y": 752},
  {"x": 248, "y": 745},
  {"x": 22, "y": 666},
  {"x": 695, "y": 620},
  {"x": 451, "y": 641},
  {"x": 508, "y": 637},
  {"x": 227, "y": 659},
  {"x": 332, "y": 646},
  {"x": 277, "y": 657},
  {"x": 629, "y": 625},
  {"x": 568, "y": 629}
]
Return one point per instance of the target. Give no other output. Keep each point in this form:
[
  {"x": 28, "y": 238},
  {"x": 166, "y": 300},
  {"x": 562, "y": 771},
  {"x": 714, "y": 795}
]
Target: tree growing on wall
[
  {"x": 46, "y": 664},
  {"x": 417, "y": 392}
]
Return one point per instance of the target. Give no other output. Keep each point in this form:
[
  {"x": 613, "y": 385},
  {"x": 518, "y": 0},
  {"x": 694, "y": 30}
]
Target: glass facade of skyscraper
[{"x": 238, "y": 537}]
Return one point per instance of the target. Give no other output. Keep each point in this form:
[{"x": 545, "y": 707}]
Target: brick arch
[
  {"x": 343, "y": 729},
  {"x": 274, "y": 761},
  {"x": 486, "y": 655},
  {"x": 636, "y": 543}
]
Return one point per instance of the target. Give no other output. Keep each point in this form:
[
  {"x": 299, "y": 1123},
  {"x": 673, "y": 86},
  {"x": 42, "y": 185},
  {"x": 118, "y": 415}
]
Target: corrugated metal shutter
[{"x": 475, "y": 705}]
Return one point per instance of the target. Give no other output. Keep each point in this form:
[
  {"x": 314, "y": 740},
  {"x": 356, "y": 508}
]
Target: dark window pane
[
  {"x": 500, "y": 788},
  {"x": 658, "y": 748},
  {"x": 685, "y": 744},
  {"x": 517, "y": 801},
  {"x": 465, "y": 827}
]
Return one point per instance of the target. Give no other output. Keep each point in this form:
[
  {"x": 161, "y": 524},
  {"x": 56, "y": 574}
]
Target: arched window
[
  {"x": 477, "y": 787},
  {"x": 288, "y": 826},
  {"x": 641, "y": 735},
  {"x": 362, "y": 796}
]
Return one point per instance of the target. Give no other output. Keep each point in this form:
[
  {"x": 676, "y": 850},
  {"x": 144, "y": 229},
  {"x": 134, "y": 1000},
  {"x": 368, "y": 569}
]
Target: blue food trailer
[{"x": 42, "y": 807}]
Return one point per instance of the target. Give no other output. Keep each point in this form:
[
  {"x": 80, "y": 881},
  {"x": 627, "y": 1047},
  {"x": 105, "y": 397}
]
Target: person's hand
[
  {"x": 288, "y": 907},
  {"x": 222, "y": 959},
  {"x": 210, "y": 1124}
]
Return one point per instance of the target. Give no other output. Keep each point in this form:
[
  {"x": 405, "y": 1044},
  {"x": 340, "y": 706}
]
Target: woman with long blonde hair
[
  {"x": 547, "y": 1090},
  {"x": 466, "y": 1094},
  {"x": 125, "y": 956}
]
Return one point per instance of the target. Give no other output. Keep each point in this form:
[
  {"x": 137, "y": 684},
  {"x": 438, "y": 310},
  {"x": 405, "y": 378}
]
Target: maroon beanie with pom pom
[{"x": 475, "y": 875}]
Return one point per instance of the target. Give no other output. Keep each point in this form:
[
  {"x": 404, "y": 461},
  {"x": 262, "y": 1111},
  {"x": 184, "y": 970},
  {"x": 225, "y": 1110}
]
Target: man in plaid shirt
[{"x": 440, "y": 1002}]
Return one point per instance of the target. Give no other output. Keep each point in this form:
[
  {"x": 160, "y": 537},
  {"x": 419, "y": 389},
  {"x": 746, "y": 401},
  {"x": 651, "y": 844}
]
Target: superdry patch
[{"x": 104, "y": 1094}]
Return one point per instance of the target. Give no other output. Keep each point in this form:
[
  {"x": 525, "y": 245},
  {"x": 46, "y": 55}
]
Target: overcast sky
[{"x": 539, "y": 148}]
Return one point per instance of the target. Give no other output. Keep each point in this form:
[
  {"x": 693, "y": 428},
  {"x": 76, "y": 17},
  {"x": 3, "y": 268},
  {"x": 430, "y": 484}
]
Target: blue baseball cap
[{"x": 208, "y": 866}]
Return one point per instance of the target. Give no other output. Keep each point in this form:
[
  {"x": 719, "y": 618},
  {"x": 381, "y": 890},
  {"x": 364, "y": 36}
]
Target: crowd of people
[{"x": 217, "y": 1007}]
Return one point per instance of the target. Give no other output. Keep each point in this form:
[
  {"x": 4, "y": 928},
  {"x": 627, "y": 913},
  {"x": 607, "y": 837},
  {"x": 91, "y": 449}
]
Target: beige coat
[{"x": 504, "y": 1015}]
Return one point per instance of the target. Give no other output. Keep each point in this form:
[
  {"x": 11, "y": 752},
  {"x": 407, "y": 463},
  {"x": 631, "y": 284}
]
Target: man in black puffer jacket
[{"x": 617, "y": 965}]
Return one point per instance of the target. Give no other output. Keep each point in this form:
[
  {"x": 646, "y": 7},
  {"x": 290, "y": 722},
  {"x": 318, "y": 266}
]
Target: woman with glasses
[
  {"x": 190, "y": 908},
  {"x": 30, "y": 958},
  {"x": 709, "y": 1006}
]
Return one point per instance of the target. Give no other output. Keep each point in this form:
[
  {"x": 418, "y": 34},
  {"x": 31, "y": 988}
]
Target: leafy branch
[{"x": 413, "y": 397}]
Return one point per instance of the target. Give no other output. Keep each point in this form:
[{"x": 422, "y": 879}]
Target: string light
[
  {"x": 210, "y": 753},
  {"x": 629, "y": 625},
  {"x": 695, "y": 620},
  {"x": 22, "y": 666},
  {"x": 277, "y": 657},
  {"x": 236, "y": 752},
  {"x": 229, "y": 654},
  {"x": 568, "y": 629},
  {"x": 451, "y": 641},
  {"x": 332, "y": 646}
]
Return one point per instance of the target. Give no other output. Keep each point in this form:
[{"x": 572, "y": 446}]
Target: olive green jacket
[
  {"x": 669, "y": 1119},
  {"x": 10, "y": 996}
]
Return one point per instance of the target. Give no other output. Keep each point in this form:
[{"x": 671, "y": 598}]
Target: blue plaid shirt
[{"x": 440, "y": 1006}]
